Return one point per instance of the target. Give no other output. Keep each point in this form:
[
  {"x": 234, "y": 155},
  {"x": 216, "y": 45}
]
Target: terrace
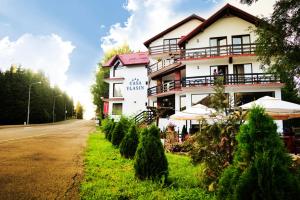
[
  {"x": 229, "y": 79},
  {"x": 218, "y": 51}
]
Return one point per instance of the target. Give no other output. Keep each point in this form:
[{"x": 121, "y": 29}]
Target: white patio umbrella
[
  {"x": 195, "y": 112},
  {"x": 276, "y": 108}
]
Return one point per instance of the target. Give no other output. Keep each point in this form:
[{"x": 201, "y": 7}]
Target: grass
[{"x": 109, "y": 176}]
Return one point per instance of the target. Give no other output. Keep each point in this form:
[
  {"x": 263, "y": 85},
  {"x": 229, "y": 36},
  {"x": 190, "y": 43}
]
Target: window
[
  {"x": 117, "y": 69},
  {"x": 219, "y": 44},
  {"x": 198, "y": 98},
  {"x": 182, "y": 102},
  {"x": 117, "y": 108},
  {"x": 155, "y": 104},
  {"x": 204, "y": 99},
  {"x": 242, "y": 73},
  {"x": 170, "y": 44},
  {"x": 117, "y": 90},
  {"x": 242, "y": 68},
  {"x": 246, "y": 97},
  {"x": 241, "y": 44}
]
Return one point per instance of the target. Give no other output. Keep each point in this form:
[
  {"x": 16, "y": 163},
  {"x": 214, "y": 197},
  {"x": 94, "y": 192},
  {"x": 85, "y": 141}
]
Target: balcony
[
  {"x": 162, "y": 66},
  {"x": 160, "y": 49},
  {"x": 229, "y": 79},
  {"x": 218, "y": 51}
]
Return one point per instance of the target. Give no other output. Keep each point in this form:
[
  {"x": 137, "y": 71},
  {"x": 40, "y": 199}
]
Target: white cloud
[
  {"x": 146, "y": 19},
  {"x": 51, "y": 54},
  {"x": 81, "y": 92},
  {"x": 259, "y": 8},
  {"x": 150, "y": 17},
  {"x": 48, "y": 53}
]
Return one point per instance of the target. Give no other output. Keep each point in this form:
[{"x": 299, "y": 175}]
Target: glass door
[
  {"x": 241, "y": 44},
  {"x": 218, "y": 46}
]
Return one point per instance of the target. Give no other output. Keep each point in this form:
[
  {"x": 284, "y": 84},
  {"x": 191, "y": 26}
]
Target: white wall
[
  {"x": 200, "y": 68},
  {"x": 226, "y": 26},
  {"x": 178, "y": 32},
  {"x": 134, "y": 90}
]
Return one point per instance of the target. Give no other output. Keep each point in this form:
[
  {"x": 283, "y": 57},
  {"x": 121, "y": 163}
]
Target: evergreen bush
[
  {"x": 117, "y": 134},
  {"x": 260, "y": 169},
  {"x": 119, "y": 131},
  {"x": 110, "y": 131},
  {"x": 129, "y": 143},
  {"x": 106, "y": 126},
  {"x": 150, "y": 159}
]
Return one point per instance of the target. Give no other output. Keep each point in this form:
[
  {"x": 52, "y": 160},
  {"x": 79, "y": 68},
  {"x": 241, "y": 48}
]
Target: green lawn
[{"x": 109, "y": 176}]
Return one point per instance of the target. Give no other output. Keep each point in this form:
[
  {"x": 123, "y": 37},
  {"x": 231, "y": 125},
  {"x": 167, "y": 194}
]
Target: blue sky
[{"x": 66, "y": 38}]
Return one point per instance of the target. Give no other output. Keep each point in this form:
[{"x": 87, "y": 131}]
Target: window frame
[
  {"x": 114, "y": 95},
  {"x": 180, "y": 100},
  {"x": 113, "y": 111},
  {"x": 242, "y": 43}
]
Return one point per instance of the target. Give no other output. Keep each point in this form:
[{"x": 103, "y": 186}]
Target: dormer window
[{"x": 116, "y": 69}]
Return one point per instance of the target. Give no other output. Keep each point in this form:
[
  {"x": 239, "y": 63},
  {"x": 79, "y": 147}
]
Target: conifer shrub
[
  {"x": 117, "y": 134},
  {"x": 119, "y": 131},
  {"x": 260, "y": 169},
  {"x": 112, "y": 127},
  {"x": 150, "y": 159},
  {"x": 107, "y": 125},
  {"x": 130, "y": 142}
]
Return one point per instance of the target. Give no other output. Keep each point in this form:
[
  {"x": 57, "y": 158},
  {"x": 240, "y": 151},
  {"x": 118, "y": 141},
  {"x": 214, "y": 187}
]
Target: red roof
[
  {"x": 139, "y": 58},
  {"x": 226, "y": 10},
  {"x": 193, "y": 16}
]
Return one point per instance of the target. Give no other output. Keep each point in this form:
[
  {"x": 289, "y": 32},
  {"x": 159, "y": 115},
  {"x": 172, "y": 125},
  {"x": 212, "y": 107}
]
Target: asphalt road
[{"x": 43, "y": 162}]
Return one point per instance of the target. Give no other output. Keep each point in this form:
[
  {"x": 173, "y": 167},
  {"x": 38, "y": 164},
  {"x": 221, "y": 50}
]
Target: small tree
[
  {"x": 117, "y": 134},
  {"x": 119, "y": 131},
  {"x": 150, "y": 159},
  {"x": 111, "y": 130},
  {"x": 261, "y": 165},
  {"x": 107, "y": 125},
  {"x": 129, "y": 143}
]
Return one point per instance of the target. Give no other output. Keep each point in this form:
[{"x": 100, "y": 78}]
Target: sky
[{"x": 66, "y": 38}]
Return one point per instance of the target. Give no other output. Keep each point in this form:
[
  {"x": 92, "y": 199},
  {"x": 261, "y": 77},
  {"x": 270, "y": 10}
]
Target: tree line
[{"x": 47, "y": 103}]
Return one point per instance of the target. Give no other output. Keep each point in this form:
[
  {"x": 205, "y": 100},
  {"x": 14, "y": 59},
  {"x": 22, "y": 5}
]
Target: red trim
[
  {"x": 193, "y": 16},
  {"x": 227, "y": 9}
]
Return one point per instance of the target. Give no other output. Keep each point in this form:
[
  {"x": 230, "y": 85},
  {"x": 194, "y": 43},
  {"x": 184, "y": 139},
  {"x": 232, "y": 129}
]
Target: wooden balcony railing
[
  {"x": 161, "y": 64},
  {"x": 163, "y": 49},
  {"x": 229, "y": 79},
  {"x": 224, "y": 50}
]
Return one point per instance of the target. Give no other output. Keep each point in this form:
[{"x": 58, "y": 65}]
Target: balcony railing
[
  {"x": 161, "y": 64},
  {"x": 163, "y": 49},
  {"x": 229, "y": 79},
  {"x": 224, "y": 50}
]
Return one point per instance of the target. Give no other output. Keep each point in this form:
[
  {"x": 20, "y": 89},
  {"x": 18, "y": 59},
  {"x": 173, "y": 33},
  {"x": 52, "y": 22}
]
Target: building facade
[
  {"x": 128, "y": 82},
  {"x": 187, "y": 57}
]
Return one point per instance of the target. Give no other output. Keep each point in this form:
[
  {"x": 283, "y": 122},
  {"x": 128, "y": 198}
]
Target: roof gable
[
  {"x": 168, "y": 30},
  {"x": 139, "y": 58},
  {"x": 226, "y": 10}
]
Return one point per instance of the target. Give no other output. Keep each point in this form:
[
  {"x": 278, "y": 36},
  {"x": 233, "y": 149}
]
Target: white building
[
  {"x": 127, "y": 85},
  {"x": 185, "y": 57}
]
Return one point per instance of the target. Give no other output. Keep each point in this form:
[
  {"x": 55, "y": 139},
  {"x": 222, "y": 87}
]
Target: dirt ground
[{"x": 43, "y": 162}]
